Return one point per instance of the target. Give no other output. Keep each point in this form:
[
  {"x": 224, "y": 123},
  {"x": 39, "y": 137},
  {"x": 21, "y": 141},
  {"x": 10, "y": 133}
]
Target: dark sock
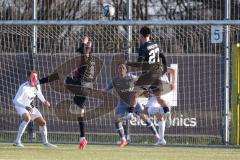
[
  {"x": 166, "y": 109},
  {"x": 131, "y": 109},
  {"x": 151, "y": 127},
  {"x": 30, "y": 130},
  {"x": 81, "y": 126}
]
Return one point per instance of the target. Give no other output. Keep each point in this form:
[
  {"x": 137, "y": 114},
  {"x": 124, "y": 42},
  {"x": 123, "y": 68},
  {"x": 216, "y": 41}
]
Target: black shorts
[
  {"x": 79, "y": 101},
  {"x": 81, "y": 91},
  {"x": 151, "y": 81}
]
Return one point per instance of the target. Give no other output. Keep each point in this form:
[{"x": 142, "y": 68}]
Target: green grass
[
  {"x": 113, "y": 152},
  {"x": 104, "y": 138}
]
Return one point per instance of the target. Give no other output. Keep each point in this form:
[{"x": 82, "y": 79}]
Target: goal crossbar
[{"x": 120, "y": 22}]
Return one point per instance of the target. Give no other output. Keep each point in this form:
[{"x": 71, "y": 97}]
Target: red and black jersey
[{"x": 85, "y": 72}]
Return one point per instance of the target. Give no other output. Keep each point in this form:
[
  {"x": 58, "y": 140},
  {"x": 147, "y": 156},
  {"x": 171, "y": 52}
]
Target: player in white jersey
[
  {"x": 23, "y": 105},
  {"x": 154, "y": 108}
]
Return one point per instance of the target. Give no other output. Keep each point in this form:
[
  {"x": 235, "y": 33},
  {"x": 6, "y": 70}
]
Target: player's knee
[
  {"x": 79, "y": 100},
  {"x": 41, "y": 122},
  {"x": 82, "y": 112},
  {"x": 26, "y": 117},
  {"x": 143, "y": 117},
  {"x": 160, "y": 117}
]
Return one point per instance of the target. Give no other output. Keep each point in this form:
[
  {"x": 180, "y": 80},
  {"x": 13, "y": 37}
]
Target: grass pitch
[{"x": 113, "y": 152}]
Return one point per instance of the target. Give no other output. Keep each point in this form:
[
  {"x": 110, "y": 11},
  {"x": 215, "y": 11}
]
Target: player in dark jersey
[
  {"x": 153, "y": 65},
  {"x": 123, "y": 83},
  {"x": 83, "y": 76}
]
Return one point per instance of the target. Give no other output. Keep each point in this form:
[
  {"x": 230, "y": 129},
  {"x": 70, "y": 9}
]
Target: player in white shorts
[
  {"x": 154, "y": 108},
  {"x": 24, "y": 107}
]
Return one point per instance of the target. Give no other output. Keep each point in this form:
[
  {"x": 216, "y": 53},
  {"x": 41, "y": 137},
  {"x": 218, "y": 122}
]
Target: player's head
[
  {"x": 145, "y": 31},
  {"x": 32, "y": 77},
  {"x": 145, "y": 34},
  {"x": 122, "y": 69}
]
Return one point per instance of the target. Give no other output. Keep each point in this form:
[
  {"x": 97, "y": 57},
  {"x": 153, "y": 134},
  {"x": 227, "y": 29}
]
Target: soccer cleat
[
  {"x": 20, "y": 145},
  {"x": 128, "y": 141},
  {"x": 123, "y": 143},
  {"x": 50, "y": 145},
  {"x": 168, "y": 119},
  {"x": 161, "y": 142},
  {"x": 82, "y": 143}
]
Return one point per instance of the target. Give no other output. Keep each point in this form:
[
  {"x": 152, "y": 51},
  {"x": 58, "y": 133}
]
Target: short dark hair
[
  {"x": 145, "y": 31},
  {"x": 80, "y": 49},
  {"x": 30, "y": 72}
]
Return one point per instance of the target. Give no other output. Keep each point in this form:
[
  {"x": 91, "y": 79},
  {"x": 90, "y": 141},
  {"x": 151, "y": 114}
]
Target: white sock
[
  {"x": 123, "y": 138},
  {"x": 21, "y": 130},
  {"x": 82, "y": 138},
  {"x": 43, "y": 131},
  {"x": 161, "y": 125}
]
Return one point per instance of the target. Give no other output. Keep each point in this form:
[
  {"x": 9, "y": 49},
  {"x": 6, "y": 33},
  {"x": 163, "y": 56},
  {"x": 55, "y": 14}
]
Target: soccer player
[
  {"x": 123, "y": 83},
  {"x": 154, "y": 108},
  {"x": 23, "y": 105},
  {"x": 83, "y": 77},
  {"x": 152, "y": 69}
]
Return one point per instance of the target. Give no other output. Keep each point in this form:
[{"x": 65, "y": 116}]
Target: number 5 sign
[{"x": 216, "y": 34}]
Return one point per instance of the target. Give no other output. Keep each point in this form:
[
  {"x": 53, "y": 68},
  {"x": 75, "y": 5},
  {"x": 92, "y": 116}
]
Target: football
[{"x": 108, "y": 10}]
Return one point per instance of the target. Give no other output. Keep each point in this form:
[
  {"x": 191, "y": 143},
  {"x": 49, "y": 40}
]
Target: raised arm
[
  {"x": 172, "y": 73},
  {"x": 164, "y": 62}
]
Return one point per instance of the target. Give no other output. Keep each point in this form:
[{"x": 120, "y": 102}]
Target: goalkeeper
[
  {"x": 123, "y": 83},
  {"x": 23, "y": 104},
  {"x": 81, "y": 80}
]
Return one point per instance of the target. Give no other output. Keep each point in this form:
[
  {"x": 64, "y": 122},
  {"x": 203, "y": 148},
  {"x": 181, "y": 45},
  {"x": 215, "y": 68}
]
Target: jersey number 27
[{"x": 153, "y": 56}]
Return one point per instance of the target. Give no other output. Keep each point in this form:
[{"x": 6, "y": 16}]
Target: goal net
[{"x": 197, "y": 111}]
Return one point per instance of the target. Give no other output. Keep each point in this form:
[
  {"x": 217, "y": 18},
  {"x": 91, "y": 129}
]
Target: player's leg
[
  {"x": 161, "y": 129},
  {"x": 79, "y": 101},
  {"x": 31, "y": 133},
  {"x": 120, "y": 111},
  {"x": 22, "y": 127},
  {"x": 37, "y": 117},
  {"x": 120, "y": 131},
  {"x": 126, "y": 127},
  {"x": 133, "y": 100},
  {"x": 158, "y": 112},
  {"x": 146, "y": 119},
  {"x": 157, "y": 90},
  {"x": 166, "y": 110}
]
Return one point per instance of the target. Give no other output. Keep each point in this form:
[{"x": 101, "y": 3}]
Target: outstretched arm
[{"x": 50, "y": 78}]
